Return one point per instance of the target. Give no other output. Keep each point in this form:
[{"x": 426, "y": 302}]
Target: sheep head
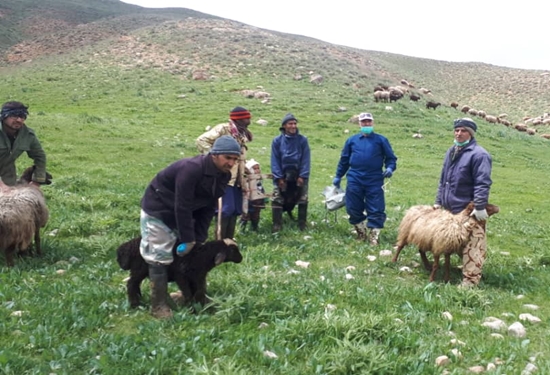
[
  {"x": 26, "y": 176},
  {"x": 230, "y": 253}
]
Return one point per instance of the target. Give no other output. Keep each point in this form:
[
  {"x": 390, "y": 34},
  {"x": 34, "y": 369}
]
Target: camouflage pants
[{"x": 474, "y": 256}]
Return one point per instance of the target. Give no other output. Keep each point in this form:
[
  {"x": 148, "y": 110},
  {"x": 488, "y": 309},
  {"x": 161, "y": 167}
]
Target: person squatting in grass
[
  {"x": 179, "y": 205},
  {"x": 290, "y": 164},
  {"x": 362, "y": 158},
  {"x": 466, "y": 177},
  {"x": 232, "y": 201},
  {"x": 16, "y": 138},
  {"x": 255, "y": 198}
]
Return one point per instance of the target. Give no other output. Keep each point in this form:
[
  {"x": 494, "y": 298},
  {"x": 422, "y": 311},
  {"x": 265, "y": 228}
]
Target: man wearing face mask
[
  {"x": 466, "y": 177},
  {"x": 367, "y": 158}
]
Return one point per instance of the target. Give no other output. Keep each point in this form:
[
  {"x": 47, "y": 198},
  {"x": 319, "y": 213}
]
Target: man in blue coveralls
[{"x": 363, "y": 158}]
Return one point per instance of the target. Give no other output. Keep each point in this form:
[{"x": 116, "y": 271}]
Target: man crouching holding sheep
[{"x": 466, "y": 177}]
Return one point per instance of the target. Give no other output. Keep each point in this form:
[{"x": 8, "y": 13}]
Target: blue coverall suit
[{"x": 362, "y": 158}]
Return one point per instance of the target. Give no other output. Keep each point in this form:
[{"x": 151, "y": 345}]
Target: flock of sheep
[{"x": 384, "y": 93}]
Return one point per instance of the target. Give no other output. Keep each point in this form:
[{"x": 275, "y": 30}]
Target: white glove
[{"x": 480, "y": 214}]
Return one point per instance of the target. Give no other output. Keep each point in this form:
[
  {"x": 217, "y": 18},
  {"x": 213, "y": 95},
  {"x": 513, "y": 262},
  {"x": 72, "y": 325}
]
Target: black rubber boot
[
  {"x": 254, "y": 225},
  {"x": 277, "y": 212},
  {"x": 159, "y": 291},
  {"x": 302, "y": 216},
  {"x": 230, "y": 229},
  {"x": 223, "y": 226}
]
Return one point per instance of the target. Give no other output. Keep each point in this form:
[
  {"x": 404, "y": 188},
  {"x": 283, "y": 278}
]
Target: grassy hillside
[{"x": 112, "y": 113}]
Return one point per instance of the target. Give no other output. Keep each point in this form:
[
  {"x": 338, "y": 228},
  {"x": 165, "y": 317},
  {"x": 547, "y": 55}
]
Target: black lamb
[{"x": 189, "y": 272}]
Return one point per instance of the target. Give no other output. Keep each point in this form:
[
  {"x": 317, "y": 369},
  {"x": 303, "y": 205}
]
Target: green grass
[{"x": 107, "y": 131}]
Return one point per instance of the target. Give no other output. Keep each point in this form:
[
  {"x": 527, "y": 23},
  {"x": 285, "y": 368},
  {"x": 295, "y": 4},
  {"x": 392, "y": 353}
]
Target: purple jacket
[
  {"x": 184, "y": 195},
  {"x": 466, "y": 178}
]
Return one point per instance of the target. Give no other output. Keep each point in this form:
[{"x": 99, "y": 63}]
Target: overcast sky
[{"x": 505, "y": 33}]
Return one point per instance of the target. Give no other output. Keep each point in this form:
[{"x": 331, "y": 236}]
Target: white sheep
[
  {"x": 23, "y": 212},
  {"x": 437, "y": 231}
]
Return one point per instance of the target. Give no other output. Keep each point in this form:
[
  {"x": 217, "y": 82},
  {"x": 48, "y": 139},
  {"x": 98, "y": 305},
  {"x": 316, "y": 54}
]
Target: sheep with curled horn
[
  {"x": 438, "y": 231},
  {"x": 189, "y": 272}
]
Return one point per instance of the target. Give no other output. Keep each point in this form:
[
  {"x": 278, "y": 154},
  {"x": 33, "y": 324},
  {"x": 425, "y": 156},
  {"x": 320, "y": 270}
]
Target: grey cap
[{"x": 226, "y": 145}]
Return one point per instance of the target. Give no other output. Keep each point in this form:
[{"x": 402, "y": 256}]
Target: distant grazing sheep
[
  {"x": 473, "y": 112},
  {"x": 465, "y": 108},
  {"x": 425, "y": 91},
  {"x": 481, "y": 113},
  {"x": 23, "y": 212},
  {"x": 437, "y": 231},
  {"x": 454, "y": 105},
  {"x": 382, "y": 96},
  {"x": 433, "y": 105},
  {"x": 491, "y": 119},
  {"x": 189, "y": 271},
  {"x": 414, "y": 97}
]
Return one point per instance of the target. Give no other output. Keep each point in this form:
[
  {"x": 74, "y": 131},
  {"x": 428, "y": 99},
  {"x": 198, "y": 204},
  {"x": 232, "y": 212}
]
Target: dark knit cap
[
  {"x": 14, "y": 109},
  {"x": 226, "y": 145},
  {"x": 467, "y": 123},
  {"x": 287, "y": 118},
  {"x": 239, "y": 113}
]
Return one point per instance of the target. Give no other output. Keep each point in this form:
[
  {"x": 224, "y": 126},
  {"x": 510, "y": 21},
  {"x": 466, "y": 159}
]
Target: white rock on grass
[
  {"x": 270, "y": 354},
  {"x": 491, "y": 366},
  {"x": 17, "y": 313},
  {"x": 497, "y": 336},
  {"x": 520, "y": 296},
  {"x": 530, "y": 318},
  {"x": 442, "y": 360},
  {"x": 447, "y": 315},
  {"x": 263, "y": 325},
  {"x": 477, "y": 369},
  {"x": 349, "y": 276},
  {"x": 457, "y": 342},
  {"x": 494, "y": 323},
  {"x": 302, "y": 264},
  {"x": 531, "y": 307},
  {"x": 517, "y": 330},
  {"x": 456, "y": 353},
  {"x": 350, "y": 268},
  {"x": 371, "y": 258},
  {"x": 529, "y": 369},
  {"x": 385, "y": 253},
  {"x": 405, "y": 269}
]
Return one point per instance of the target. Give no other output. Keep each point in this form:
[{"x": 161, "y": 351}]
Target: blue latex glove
[
  {"x": 184, "y": 248},
  {"x": 336, "y": 182},
  {"x": 387, "y": 173}
]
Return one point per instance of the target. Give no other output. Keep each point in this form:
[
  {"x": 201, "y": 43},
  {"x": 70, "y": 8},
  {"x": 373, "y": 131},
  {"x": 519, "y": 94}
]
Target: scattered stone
[
  {"x": 442, "y": 360},
  {"x": 530, "y": 318},
  {"x": 477, "y": 369},
  {"x": 371, "y": 258},
  {"x": 270, "y": 354},
  {"x": 456, "y": 353},
  {"x": 447, "y": 315},
  {"x": 531, "y": 307},
  {"x": 494, "y": 323},
  {"x": 497, "y": 335},
  {"x": 263, "y": 325},
  {"x": 530, "y": 368},
  {"x": 517, "y": 330},
  {"x": 60, "y": 272},
  {"x": 350, "y": 268},
  {"x": 349, "y": 276},
  {"x": 385, "y": 253},
  {"x": 17, "y": 313},
  {"x": 491, "y": 366},
  {"x": 302, "y": 264},
  {"x": 457, "y": 342},
  {"x": 405, "y": 269}
]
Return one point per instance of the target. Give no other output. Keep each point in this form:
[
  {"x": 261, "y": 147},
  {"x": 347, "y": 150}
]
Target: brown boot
[
  {"x": 374, "y": 234},
  {"x": 361, "y": 230},
  {"x": 159, "y": 289}
]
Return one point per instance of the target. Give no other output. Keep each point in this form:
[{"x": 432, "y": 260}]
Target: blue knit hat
[
  {"x": 226, "y": 145},
  {"x": 287, "y": 118},
  {"x": 467, "y": 123}
]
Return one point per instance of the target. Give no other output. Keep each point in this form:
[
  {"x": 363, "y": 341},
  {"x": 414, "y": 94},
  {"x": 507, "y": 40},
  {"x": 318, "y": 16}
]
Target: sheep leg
[
  {"x": 435, "y": 267},
  {"x": 447, "y": 276},
  {"x": 397, "y": 252},
  {"x": 37, "y": 242},
  {"x": 133, "y": 288},
  {"x": 10, "y": 251},
  {"x": 200, "y": 293},
  {"x": 425, "y": 261},
  {"x": 185, "y": 288}
]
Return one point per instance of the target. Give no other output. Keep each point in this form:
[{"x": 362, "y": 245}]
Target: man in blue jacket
[
  {"x": 466, "y": 177},
  {"x": 179, "y": 205},
  {"x": 363, "y": 158},
  {"x": 290, "y": 166}
]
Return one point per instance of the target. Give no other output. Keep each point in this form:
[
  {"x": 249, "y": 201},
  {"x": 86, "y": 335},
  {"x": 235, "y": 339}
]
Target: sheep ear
[{"x": 220, "y": 258}]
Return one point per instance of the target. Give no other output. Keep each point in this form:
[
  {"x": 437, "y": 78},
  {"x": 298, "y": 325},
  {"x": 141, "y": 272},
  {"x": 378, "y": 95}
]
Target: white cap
[
  {"x": 250, "y": 164},
  {"x": 365, "y": 116}
]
